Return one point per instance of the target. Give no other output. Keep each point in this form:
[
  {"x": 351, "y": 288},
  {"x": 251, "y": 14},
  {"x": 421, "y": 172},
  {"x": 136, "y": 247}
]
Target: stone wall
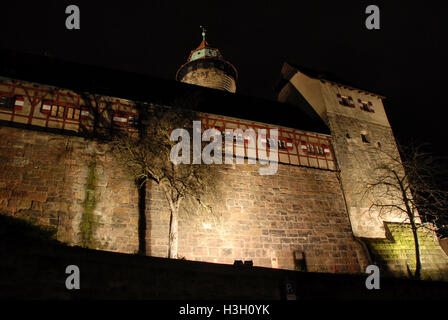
[
  {"x": 277, "y": 221},
  {"x": 68, "y": 183},
  {"x": 396, "y": 254},
  {"x": 211, "y": 78},
  {"x": 358, "y": 161},
  {"x": 271, "y": 220}
]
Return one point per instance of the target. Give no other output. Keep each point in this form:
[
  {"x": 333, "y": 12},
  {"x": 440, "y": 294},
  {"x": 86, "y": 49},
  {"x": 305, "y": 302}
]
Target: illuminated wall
[
  {"x": 295, "y": 219},
  {"x": 397, "y": 253},
  {"x": 361, "y": 136}
]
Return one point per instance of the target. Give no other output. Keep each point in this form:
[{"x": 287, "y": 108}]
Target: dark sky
[{"x": 404, "y": 60}]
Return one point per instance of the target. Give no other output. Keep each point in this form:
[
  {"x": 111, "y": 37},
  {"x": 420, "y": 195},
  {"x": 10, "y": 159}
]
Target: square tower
[{"x": 361, "y": 136}]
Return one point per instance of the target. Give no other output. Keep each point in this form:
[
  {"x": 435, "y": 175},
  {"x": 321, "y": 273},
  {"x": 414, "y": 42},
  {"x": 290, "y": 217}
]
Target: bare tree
[
  {"x": 406, "y": 187},
  {"x": 147, "y": 155}
]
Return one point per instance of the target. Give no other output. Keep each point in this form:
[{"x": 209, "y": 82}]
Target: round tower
[{"x": 206, "y": 67}]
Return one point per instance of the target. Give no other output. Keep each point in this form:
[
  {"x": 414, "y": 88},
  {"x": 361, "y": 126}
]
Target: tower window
[
  {"x": 364, "y": 138},
  {"x": 345, "y": 101},
  {"x": 365, "y": 106}
]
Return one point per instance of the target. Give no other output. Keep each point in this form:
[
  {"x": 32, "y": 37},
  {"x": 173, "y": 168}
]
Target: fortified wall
[
  {"x": 55, "y": 173},
  {"x": 363, "y": 141},
  {"x": 295, "y": 219}
]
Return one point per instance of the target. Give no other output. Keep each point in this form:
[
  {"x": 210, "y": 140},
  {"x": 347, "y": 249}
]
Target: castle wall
[
  {"x": 389, "y": 240},
  {"x": 76, "y": 186},
  {"x": 396, "y": 255},
  {"x": 69, "y": 184},
  {"x": 268, "y": 219},
  {"x": 358, "y": 159}
]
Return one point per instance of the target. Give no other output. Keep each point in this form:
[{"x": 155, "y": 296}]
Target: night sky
[{"x": 404, "y": 60}]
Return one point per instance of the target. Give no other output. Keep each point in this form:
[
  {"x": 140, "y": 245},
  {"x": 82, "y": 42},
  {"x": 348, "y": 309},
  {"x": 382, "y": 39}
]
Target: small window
[
  {"x": 347, "y": 135},
  {"x": 365, "y": 106},
  {"x": 6, "y": 102},
  {"x": 72, "y": 113},
  {"x": 311, "y": 148},
  {"x": 61, "y": 110},
  {"x": 54, "y": 110},
  {"x": 321, "y": 151},
  {"x": 315, "y": 149},
  {"x": 132, "y": 121},
  {"x": 345, "y": 101},
  {"x": 364, "y": 138}
]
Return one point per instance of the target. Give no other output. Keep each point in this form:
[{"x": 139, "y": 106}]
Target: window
[
  {"x": 15, "y": 103},
  {"x": 124, "y": 119},
  {"x": 73, "y": 113},
  {"x": 69, "y": 112},
  {"x": 364, "y": 138},
  {"x": 119, "y": 119},
  {"x": 19, "y": 102},
  {"x": 132, "y": 121},
  {"x": 282, "y": 144},
  {"x": 365, "y": 106},
  {"x": 57, "y": 111},
  {"x": 345, "y": 101},
  {"x": 6, "y": 102},
  {"x": 61, "y": 110},
  {"x": 315, "y": 149}
]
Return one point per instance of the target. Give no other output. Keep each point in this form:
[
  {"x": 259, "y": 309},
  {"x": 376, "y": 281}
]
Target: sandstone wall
[
  {"x": 358, "y": 161},
  {"x": 268, "y": 219},
  {"x": 397, "y": 253},
  {"x": 76, "y": 186},
  {"x": 70, "y": 184},
  {"x": 211, "y": 78}
]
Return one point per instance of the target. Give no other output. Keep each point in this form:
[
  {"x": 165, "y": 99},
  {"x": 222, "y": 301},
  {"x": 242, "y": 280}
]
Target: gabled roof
[
  {"x": 290, "y": 68},
  {"x": 144, "y": 88}
]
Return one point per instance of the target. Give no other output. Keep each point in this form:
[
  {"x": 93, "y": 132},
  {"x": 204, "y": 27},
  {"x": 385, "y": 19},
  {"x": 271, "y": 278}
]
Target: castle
[{"x": 308, "y": 216}]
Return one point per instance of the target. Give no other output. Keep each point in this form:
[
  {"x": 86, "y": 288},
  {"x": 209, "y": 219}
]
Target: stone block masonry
[
  {"x": 212, "y": 78},
  {"x": 396, "y": 254},
  {"x": 267, "y": 219},
  {"x": 76, "y": 186},
  {"x": 70, "y": 184}
]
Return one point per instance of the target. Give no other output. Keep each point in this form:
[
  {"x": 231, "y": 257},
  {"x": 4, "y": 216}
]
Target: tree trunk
[
  {"x": 411, "y": 216},
  {"x": 418, "y": 264},
  {"x": 174, "y": 209},
  {"x": 172, "y": 251}
]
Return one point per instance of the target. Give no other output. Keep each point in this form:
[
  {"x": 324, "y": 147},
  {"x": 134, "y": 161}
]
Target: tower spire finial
[{"x": 203, "y": 32}]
